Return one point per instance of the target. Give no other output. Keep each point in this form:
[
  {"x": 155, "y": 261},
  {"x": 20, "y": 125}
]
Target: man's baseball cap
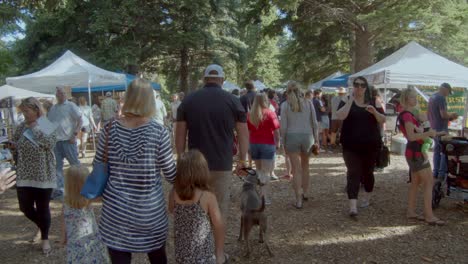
[
  {"x": 341, "y": 90},
  {"x": 108, "y": 94},
  {"x": 446, "y": 85},
  {"x": 214, "y": 70}
]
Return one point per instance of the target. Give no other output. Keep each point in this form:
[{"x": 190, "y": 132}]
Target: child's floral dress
[{"x": 83, "y": 244}]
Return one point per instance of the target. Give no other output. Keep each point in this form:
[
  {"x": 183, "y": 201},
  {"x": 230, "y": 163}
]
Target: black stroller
[{"x": 455, "y": 184}]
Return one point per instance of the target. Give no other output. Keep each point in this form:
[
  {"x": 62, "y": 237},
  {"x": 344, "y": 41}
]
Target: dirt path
[{"x": 319, "y": 233}]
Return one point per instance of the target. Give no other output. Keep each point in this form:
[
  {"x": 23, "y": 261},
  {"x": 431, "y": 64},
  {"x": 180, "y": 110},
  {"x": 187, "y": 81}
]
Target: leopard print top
[
  {"x": 35, "y": 165},
  {"x": 193, "y": 237}
]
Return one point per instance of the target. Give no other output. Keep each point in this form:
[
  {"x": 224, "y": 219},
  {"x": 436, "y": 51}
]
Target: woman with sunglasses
[{"x": 361, "y": 140}]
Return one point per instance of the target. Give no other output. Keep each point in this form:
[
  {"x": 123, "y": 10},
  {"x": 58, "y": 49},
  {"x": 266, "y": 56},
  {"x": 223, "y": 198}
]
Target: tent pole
[
  {"x": 465, "y": 114},
  {"x": 90, "y": 105}
]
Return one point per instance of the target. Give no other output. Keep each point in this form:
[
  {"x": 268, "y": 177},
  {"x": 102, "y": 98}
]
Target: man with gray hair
[
  {"x": 210, "y": 116},
  {"x": 67, "y": 116}
]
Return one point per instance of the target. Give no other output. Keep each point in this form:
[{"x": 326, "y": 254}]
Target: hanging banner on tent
[{"x": 455, "y": 102}]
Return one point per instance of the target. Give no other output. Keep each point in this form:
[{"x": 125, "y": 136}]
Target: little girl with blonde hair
[
  {"x": 196, "y": 213},
  {"x": 79, "y": 232}
]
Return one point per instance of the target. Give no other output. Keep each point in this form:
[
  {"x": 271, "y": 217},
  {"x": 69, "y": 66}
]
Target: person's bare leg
[
  {"x": 297, "y": 177},
  {"x": 427, "y": 181},
  {"x": 412, "y": 195},
  {"x": 305, "y": 173},
  {"x": 332, "y": 138},
  {"x": 267, "y": 168},
  {"x": 84, "y": 142}
]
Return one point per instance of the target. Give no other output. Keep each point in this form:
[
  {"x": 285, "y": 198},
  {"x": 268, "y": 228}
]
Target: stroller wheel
[{"x": 436, "y": 195}]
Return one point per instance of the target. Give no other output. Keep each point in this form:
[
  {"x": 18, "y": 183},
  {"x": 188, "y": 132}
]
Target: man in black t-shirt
[
  {"x": 248, "y": 98},
  {"x": 209, "y": 116}
]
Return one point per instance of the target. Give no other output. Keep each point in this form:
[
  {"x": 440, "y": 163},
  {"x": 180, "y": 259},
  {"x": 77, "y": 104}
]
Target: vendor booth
[
  {"x": 318, "y": 85},
  {"x": 68, "y": 70},
  {"x": 414, "y": 65}
]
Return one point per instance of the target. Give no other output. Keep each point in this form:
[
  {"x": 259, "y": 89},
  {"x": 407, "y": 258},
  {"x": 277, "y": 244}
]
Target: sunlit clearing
[
  {"x": 380, "y": 233},
  {"x": 10, "y": 213}
]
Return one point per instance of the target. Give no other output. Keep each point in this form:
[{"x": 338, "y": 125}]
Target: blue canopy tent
[
  {"x": 341, "y": 81},
  {"x": 118, "y": 87}
]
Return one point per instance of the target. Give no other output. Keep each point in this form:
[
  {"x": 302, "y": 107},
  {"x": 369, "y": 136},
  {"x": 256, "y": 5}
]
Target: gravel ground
[{"x": 319, "y": 233}]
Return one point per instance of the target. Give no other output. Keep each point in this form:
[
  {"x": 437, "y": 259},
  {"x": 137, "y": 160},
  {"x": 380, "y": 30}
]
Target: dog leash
[{"x": 251, "y": 172}]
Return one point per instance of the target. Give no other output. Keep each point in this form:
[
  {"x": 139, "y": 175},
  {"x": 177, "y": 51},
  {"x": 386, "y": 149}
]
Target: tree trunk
[
  {"x": 362, "y": 49},
  {"x": 184, "y": 70}
]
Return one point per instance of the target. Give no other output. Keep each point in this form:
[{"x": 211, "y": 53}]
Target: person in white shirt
[
  {"x": 68, "y": 118},
  {"x": 160, "y": 109},
  {"x": 87, "y": 126},
  {"x": 174, "y": 105},
  {"x": 335, "y": 123}
]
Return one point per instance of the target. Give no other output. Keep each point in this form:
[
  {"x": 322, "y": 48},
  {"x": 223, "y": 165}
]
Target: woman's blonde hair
[
  {"x": 139, "y": 99},
  {"x": 294, "y": 97},
  {"x": 256, "y": 113},
  {"x": 192, "y": 174},
  {"x": 32, "y": 103},
  {"x": 82, "y": 100},
  {"x": 75, "y": 177},
  {"x": 405, "y": 93}
]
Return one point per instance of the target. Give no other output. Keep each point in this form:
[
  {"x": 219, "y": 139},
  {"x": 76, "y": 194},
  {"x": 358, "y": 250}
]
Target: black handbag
[{"x": 383, "y": 157}]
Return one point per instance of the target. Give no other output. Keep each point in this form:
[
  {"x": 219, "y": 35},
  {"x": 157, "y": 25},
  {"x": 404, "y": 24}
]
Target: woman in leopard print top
[{"x": 35, "y": 168}]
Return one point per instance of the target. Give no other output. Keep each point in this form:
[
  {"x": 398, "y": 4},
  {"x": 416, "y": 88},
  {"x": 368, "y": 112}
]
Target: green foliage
[
  {"x": 272, "y": 41},
  {"x": 327, "y": 34}
]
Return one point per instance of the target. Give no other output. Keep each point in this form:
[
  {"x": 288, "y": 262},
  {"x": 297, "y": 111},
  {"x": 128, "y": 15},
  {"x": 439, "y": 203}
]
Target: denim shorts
[
  {"x": 325, "y": 122},
  {"x": 417, "y": 164},
  {"x": 298, "y": 142},
  {"x": 262, "y": 151}
]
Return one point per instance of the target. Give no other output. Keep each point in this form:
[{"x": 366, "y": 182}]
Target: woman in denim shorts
[
  {"x": 264, "y": 139},
  {"x": 420, "y": 168},
  {"x": 299, "y": 131}
]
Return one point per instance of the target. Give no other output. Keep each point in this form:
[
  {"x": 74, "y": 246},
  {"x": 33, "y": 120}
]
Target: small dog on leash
[{"x": 252, "y": 208}]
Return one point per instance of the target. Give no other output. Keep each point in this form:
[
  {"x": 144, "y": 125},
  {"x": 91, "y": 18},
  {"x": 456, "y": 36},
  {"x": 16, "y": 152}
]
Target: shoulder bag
[{"x": 97, "y": 180}]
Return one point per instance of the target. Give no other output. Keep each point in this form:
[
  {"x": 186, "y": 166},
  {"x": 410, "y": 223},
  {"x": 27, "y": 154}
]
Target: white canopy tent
[
  {"x": 259, "y": 85},
  {"x": 68, "y": 70},
  {"x": 414, "y": 65},
  {"x": 230, "y": 86},
  {"x": 17, "y": 93},
  {"x": 318, "y": 85}
]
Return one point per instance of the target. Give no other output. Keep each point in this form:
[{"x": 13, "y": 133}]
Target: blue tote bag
[{"x": 97, "y": 180}]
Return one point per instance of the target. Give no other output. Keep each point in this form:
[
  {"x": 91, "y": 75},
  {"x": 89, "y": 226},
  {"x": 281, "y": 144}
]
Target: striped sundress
[{"x": 134, "y": 209}]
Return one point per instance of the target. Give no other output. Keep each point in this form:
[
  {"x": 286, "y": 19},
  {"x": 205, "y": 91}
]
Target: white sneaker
[
  {"x": 273, "y": 177},
  {"x": 364, "y": 203}
]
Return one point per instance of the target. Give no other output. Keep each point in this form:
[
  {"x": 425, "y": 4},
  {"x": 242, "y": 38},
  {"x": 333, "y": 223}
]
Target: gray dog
[{"x": 252, "y": 208}]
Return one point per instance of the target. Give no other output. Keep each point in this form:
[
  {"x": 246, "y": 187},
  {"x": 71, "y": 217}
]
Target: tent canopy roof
[
  {"x": 259, "y": 85},
  {"x": 318, "y": 84},
  {"x": 415, "y": 65},
  {"x": 117, "y": 87},
  {"x": 227, "y": 85},
  {"x": 337, "y": 82},
  {"x": 68, "y": 70},
  {"x": 17, "y": 93}
]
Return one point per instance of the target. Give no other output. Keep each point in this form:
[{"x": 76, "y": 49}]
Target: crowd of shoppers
[{"x": 137, "y": 146}]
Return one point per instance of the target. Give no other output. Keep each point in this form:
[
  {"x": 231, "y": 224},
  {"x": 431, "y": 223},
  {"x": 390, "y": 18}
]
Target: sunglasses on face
[{"x": 359, "y": 84}]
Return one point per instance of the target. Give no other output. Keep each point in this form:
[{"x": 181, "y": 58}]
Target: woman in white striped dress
[{"x": 134, "y": 216}]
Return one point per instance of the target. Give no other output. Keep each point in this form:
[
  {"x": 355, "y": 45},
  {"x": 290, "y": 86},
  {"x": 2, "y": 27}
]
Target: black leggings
[
  {"x": 157, "y": 256},
  {"x": 40, "y": 215},
  {"x": 360, "y": 167}
]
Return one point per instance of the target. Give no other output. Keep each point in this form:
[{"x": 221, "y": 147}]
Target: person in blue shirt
[{"x": 438, "y": 117}]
